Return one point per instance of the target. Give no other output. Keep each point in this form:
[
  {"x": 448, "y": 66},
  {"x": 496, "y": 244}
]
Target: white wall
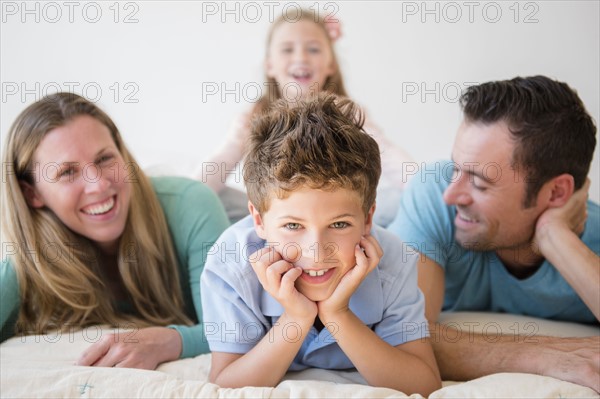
[{"x": 171, "y": 52}]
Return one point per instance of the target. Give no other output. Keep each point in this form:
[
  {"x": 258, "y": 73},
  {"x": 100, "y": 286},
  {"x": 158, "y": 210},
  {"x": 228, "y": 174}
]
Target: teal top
[{"x": 196, "y": 219}]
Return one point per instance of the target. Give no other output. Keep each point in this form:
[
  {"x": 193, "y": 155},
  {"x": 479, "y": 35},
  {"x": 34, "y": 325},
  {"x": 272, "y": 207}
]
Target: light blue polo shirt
[
  {"x": 238, "y": 312},
  {"x": 478, "y": 281}
]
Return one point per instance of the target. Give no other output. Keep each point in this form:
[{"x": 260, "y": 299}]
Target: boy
[{"x": 303, "y": 281}]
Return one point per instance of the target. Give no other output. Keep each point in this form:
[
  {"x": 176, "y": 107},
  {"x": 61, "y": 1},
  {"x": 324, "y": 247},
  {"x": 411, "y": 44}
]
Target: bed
[{"x": 42, "y": 366}]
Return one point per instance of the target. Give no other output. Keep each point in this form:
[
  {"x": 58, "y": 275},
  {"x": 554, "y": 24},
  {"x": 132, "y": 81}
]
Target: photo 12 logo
[
  {"x": 69, "y": 11},
  {"x": 423, "y": 92},
  {"x": 470, "y": 11},
  {"x": 253, "y": 11},
  {"x": 24, "y": 92}
]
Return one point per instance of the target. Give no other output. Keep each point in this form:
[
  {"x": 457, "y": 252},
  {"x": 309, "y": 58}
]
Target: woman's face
[{"x": 80, "y": 175}]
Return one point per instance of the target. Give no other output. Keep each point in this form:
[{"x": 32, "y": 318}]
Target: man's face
[
  {"x": 487, "y": 192},
  {"x": 318, "y": 231}
]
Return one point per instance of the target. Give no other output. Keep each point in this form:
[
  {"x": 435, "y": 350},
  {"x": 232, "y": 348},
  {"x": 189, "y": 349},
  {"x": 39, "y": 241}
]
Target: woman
[{"x": 92, "y": 240}]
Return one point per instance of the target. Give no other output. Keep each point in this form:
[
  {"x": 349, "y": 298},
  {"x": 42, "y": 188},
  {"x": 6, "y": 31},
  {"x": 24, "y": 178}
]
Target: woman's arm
[
  {"x": 9, "y": 299},
  {"x": 196, "y": 221}
]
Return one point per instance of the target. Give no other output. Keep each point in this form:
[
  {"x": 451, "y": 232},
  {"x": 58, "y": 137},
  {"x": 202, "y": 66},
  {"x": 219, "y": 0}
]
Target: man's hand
[
  {"x": 143, "y": 349},
  {"x": 571, "y": 216},
  {"x": 277, "y": 277},
  {"x": 571, "y": 359},
  {"x": 365, "y": 262}
]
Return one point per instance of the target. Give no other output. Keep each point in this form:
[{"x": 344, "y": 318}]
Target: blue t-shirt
[
  {"x": 238, "y": 312},
  {"x": 478, "y": 281}
]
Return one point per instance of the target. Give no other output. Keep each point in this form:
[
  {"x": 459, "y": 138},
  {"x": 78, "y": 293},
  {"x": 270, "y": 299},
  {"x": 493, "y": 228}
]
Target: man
[{"x": 505, "y": 227}]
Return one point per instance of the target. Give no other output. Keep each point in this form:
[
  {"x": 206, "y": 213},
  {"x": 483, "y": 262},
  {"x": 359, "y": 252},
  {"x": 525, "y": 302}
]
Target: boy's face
[{"x": 318, "y": 231}]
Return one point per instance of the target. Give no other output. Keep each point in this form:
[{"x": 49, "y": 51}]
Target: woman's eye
[
  {"x": 292, "y": 226},
  {"x": 339, "y": 225},
  {"x": 105, "y": 158}
]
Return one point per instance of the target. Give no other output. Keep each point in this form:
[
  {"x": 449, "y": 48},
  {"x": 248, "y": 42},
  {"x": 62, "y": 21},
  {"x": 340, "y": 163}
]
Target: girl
[
  {"x": 95, "y": 241},
  {"x": 300, "y": 62}
]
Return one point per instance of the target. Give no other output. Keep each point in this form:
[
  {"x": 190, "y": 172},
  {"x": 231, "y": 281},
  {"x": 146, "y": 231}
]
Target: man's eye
[
  {"x": 455, "y": 172},
  {"x": 477, "y": 186}
]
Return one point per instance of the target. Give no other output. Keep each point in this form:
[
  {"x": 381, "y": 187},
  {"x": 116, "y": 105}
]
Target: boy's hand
[
  {"x": 277, "y": 277},
  {"x": 365, "y": 262}
]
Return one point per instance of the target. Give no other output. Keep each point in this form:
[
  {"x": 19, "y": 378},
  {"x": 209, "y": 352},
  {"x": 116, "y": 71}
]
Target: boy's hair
[
  {"x": 318, "y": 142},
  {"x": 548, "y": 122}
]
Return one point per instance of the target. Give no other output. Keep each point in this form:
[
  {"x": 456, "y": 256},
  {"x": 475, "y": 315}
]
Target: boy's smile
[{"x": 318, "y": 231}]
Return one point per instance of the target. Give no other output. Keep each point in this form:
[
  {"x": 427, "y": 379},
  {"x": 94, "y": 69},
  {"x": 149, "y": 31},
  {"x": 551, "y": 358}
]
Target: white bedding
[{"x": 42, "y": 366}]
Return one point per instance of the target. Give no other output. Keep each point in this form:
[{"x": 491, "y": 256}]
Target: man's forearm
[
  {"x": 464, "y": 355},
  {"x": 576, "y": 263}
]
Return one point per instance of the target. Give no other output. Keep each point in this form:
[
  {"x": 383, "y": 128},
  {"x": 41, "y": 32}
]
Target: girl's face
[
  {"x": 299, "y": 58},
  {"x": 80, "y": 175}
]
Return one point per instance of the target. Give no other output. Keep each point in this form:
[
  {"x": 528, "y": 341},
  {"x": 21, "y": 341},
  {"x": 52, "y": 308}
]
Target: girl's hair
[
  {"x": 61, "y": 279},
  {"x": 333, "y": 84}
]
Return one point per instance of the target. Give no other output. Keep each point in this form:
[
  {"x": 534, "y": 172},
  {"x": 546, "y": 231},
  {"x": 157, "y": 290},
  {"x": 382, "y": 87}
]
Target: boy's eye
[
  {"x": 314, "y": 50},
  {"x": 292, "y": 226},
  {"x": 339, "y": 225}
]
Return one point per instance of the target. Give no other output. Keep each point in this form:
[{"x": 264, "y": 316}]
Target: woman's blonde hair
[
  {"x": 333, "y": 84},
  {"x": 62, "y": 283}
]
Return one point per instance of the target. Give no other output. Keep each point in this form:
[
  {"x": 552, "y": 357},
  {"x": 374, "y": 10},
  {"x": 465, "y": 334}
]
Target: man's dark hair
[{"x": 553, "y": 132}]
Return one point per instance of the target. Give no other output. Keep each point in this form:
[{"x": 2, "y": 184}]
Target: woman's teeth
[
  {"x": 100, "y": 208},
  {"x": 316, "y": 273}
]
